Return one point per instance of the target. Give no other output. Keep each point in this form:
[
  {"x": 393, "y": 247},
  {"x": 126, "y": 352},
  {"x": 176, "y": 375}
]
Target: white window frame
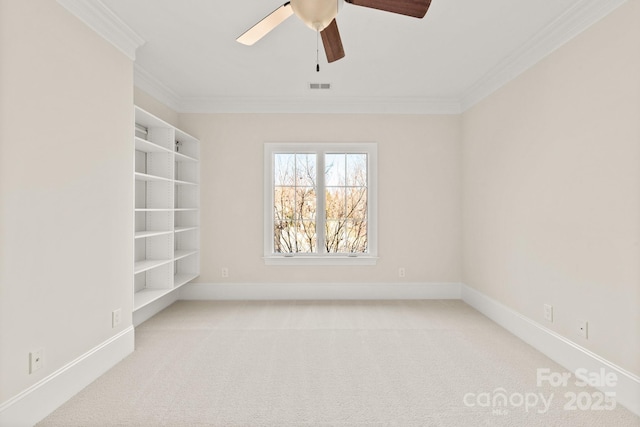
[{"x": 320, "y": 149}]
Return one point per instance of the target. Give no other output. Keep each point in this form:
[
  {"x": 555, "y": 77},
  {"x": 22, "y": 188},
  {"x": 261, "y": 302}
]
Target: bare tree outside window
[
  {"x": 295, "y": 203},
  {"x": 346, "y": 203}
]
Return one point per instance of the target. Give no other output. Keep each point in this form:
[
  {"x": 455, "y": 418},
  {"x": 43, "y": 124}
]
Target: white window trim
[{"x": 371, "y": 148}]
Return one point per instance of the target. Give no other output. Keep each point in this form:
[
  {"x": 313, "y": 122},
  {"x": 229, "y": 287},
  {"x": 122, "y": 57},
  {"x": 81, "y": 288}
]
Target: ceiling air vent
[{"x": 319, "y": 86}]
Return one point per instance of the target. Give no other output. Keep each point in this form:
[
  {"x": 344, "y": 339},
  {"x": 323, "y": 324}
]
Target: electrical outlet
[
  {"x": 116, "y": 317},
  {"x": 224, "y": 272},
  {"x": 35, "y": 360},
  {"x": 583, "y": 329},
  {"x": 548, "y": 312},
  {"x": 401, "y": 272}
]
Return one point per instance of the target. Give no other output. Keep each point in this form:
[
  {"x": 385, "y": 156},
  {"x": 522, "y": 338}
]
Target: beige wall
[
  {"x": 551, "y": 174},
  {"x": 65, "y": 189},
  {"x": 419, "y": 183}
]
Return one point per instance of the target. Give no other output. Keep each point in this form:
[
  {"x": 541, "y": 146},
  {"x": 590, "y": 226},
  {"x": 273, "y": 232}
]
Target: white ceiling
[{"x": 461, "y": 51}]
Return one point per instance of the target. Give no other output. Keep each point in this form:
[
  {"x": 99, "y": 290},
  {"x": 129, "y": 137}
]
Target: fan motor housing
[{"x": 316, "y": 14}]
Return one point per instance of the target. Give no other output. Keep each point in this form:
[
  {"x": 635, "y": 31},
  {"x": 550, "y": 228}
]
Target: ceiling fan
[{"x": 319, "y": 15}]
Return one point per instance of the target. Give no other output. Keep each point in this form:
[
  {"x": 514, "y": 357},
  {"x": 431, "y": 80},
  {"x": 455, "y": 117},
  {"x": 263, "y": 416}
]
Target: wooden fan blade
[
  {"x": 267, "y": 24},
  {"x": 415, "y": 8},
  {"x": 332, "y": 42}
]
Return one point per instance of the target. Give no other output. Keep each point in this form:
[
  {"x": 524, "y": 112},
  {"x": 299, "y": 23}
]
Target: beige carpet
[{"x": 334, "y": 363}]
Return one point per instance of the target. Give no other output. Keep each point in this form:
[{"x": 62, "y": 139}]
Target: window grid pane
[
  {"x": 294, "y": 206},
  {"x": 346, "y": 203}
]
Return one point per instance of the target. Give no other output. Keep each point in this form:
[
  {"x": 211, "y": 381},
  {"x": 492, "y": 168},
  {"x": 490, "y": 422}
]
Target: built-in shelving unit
[{"x": 167, "y": 208}]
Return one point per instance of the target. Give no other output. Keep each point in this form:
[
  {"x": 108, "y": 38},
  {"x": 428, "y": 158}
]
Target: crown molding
[
  {"x": 572, "y": 22},
  {"x": 321, "y": 104},
  {"x": 107, "y": 24},
  {"x": 147, "y": 82}
]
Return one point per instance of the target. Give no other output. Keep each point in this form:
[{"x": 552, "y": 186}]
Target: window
[{"x": 320, "y": 203}]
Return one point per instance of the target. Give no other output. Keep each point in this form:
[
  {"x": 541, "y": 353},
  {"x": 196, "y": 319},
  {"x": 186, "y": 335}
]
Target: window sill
[{"x": 320, "y": 260}]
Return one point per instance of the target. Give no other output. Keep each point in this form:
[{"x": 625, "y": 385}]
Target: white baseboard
[
  {"x": 558, "y": 348},
  {"x": 39, "y": 400},
  {"x": 319, "y": 291}
]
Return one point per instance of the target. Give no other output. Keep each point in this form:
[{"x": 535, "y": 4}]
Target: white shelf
[
  {"x": 166, "y": 173},
  {"x": 146, "y": 177},
  {"x": 183, "y": 279},
  {"x": 183, "y": 254},
  {"x": 148, "y": 120},
  {"x": 166, "y": 210},
  {"x": 147, "y": 296},
  {"x": 185, "y": 183},
  {"x": 182, "y": 136},
  {"x": 183, "y": 229},
  {"x": 149, "y": 264},
  {"x": 149, "y": 147},
  {"x": 184, "y": 158},
  {"x": 144, "y": 234}
]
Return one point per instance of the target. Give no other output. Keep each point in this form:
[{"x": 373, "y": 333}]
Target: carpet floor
[{"x": 332, "y": 363}]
